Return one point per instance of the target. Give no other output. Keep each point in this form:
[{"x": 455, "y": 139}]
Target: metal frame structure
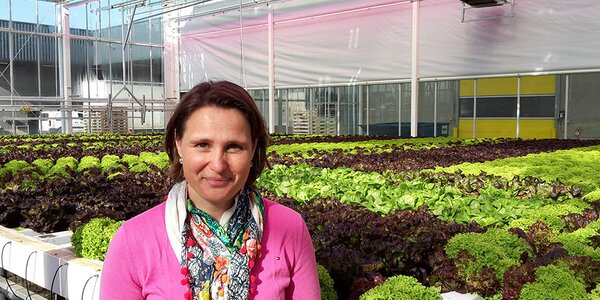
[{"x": 65, "y": 98}]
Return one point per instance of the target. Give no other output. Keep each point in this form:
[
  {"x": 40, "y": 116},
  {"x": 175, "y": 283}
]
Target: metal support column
[
  {"x": 271, "y": 71},
  {"x": 337, "y": 110},
  {"x": 11, "y": 56},
  {"x": 367, "y": 113},
  {"x": 518, "y": 106},
  {"x": 474, "y": 108},
  {"x": 65, "y": 71},
  {"x": 414, "y": 82},
  {"x": 435, "y": 92},
  {"x": 566, "y": 119},
  {"x": 399, "y": 109}
]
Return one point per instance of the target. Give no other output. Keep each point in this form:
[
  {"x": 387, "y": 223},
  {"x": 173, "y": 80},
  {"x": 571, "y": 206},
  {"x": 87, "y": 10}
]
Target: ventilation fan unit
[{"x": 484, "y": 3}]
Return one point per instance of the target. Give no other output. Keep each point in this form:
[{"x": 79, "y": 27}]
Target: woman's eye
[
  {"x": 234, "y": 148},
  {"x": 202, "y": 145}
]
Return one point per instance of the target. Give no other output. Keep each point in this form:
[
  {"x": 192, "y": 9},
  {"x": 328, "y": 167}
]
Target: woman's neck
[{"x": 214, "y": 209}]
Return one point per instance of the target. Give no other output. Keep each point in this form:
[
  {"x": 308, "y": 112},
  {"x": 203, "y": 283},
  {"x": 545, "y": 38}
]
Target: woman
[{"x": 214, "y": 237}]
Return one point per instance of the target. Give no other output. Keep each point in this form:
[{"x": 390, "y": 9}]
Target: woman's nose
[{"x": 218, "y": 162}]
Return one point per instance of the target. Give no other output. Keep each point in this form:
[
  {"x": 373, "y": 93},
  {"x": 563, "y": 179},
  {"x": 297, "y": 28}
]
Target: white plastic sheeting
[
  {"x": 337, "y": 43},
  {"x": 343, "y": 42},
  {"x": 543, "y": 36},
  {"x": 218, "y": 55}
]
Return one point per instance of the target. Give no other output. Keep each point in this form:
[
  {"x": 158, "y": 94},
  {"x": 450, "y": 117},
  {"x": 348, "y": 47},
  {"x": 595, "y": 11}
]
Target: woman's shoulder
[
  {"x": 281, "y": 209},
  {"x": 278, "y": 214},
  {"x": 151, "y": 218}
]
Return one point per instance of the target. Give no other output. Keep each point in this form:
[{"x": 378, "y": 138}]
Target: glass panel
[
  {"x": 78, "y": 19},
  {"x": 26, "y": 78},
  {"x": 426, "y": 112},
  {"x": 23, "y": 15},
  {"x": 383, "y": 109},
  {"x": 447, "y": 96},
  {"x": 296, "y": 107},
  {"x": 4, "y": 66},
  {"x": 466, "y": 107},
  {"x": 406, "y": 107},
  {"x": 538, "y": 106},
  {"x": 140, "y": 32},
  {"x": 324, "y": 110},
  {"x": 497, "y": 107},
  {"x": 140, "y": 63},
  {"x": 260, "y": 98},
  {"x": 157, "y": 64},
  {"x": 156, "y": 31},
  {"x": 431, "y": 106},
  {"x": 265, "y": 106},
  {"x": 6, "y": 127},
  {"x": 81, "y": 71},
  {"x": 49, "y": 83},
  {"x": 47, "y": 17},
  {"x": 489, "y": 107},
  {"x": 262, "y": 101},
  {"x": 93, "y": 17},
  {"x": 281, "y": 110},
  {"x": 118, "y": 21},
  {"x": 115, "y": 58},
  {"x": 25, "y": 65},
  {"x": 363, "y": 112},
  {"x": 4, "y": 13},
  {"x": 102, "y": 68},
  {"x": 104, "y": 20},
  {"x": 348, "y": 110}
]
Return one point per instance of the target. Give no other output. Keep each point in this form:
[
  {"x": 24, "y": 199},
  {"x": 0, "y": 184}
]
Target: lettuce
[{"x": 402, "y": 287}]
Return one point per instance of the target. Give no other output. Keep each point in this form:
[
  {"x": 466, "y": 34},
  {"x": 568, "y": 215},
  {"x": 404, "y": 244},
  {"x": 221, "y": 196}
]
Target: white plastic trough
[{"x": 48, "y": 261}]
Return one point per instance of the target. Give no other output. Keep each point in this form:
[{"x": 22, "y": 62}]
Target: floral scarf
[{"x": 217, "y": 261}]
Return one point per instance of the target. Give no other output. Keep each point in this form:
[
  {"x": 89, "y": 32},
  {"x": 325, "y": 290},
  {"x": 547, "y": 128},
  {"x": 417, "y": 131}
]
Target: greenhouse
[{"x": 434, "y": 149}]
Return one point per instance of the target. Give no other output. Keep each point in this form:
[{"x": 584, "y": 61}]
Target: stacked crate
[
  {"x": 309, "y": 122},
  {"x": 95, "y": 120}
]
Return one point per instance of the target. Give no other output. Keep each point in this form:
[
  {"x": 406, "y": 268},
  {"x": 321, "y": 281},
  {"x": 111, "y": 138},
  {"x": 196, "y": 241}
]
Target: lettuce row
[
  {"x": 384, "y": 194},
  {"x": 575, "y": 166}
]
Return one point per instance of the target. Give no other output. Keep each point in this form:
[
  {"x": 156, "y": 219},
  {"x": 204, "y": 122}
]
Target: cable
[
  {"x": 27, "y": 281},
  {"x": 86, "y": 282},
  {"x": 2, "y": 266},
  {"x": 54, "y": 277}
]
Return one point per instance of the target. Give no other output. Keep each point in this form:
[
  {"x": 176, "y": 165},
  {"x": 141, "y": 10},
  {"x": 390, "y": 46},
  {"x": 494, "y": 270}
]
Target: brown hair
[{"x": 221, "y": 94}]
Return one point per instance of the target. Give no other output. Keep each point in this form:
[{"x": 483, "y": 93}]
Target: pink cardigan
[{"x": 141, "y": 264}]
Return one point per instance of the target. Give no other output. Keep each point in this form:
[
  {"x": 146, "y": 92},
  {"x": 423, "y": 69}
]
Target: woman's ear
[{"x": 178, "y": 146}]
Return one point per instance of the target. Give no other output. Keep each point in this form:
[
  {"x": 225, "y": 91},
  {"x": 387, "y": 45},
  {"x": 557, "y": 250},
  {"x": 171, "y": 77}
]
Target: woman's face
[{"x": 216, "y": 148}]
